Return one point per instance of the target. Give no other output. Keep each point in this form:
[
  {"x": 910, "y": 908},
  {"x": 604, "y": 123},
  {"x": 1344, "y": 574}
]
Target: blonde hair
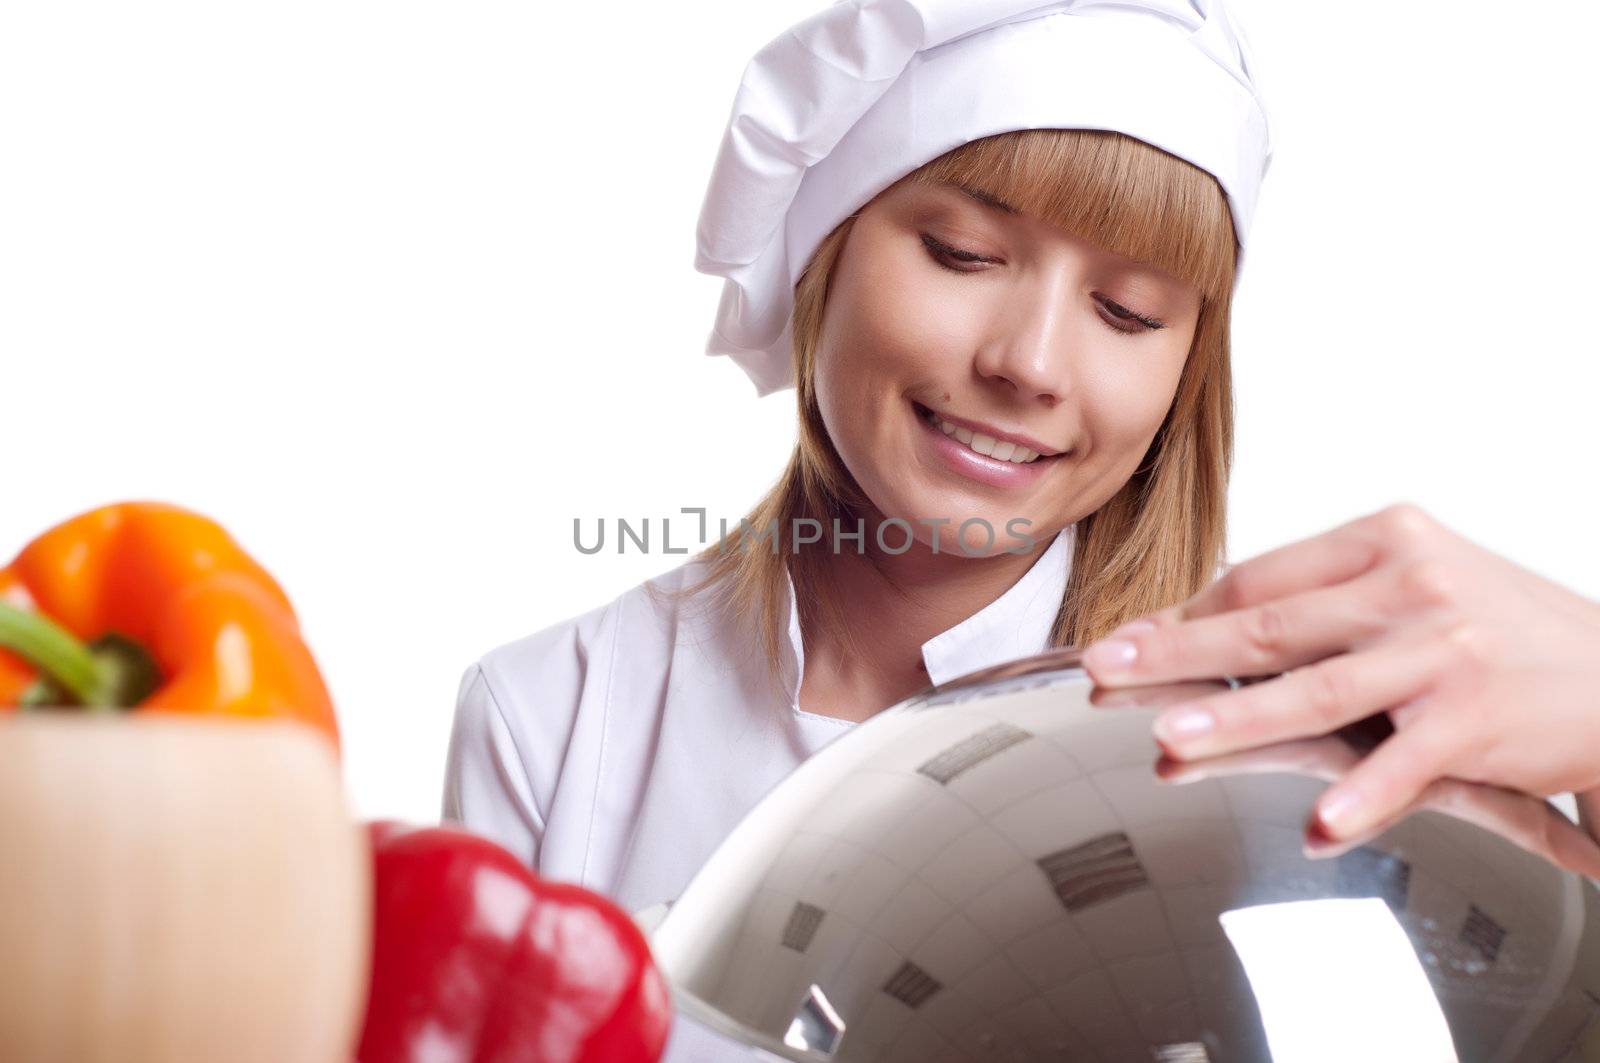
[{"x": 1161, "y": 537}]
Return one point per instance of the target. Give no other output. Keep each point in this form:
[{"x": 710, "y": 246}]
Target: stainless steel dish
[{"x": 993, "y": 870}]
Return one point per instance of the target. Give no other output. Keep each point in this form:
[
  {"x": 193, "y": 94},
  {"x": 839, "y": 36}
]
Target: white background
[{"x": 396, "y": 291}]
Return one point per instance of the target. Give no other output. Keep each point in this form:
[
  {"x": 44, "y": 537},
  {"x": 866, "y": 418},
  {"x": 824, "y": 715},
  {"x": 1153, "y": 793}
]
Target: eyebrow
[{"x": 986, "y": 198}]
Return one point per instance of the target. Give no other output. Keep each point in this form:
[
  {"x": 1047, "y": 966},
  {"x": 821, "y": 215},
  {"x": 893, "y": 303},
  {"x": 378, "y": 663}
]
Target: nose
[{"x": 1030, "y": 355}]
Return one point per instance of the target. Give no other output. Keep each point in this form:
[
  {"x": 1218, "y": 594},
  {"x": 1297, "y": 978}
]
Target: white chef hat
[{"x": 848, "y": 101}]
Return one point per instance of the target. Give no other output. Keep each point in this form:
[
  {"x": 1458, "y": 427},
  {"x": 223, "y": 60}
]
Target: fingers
[
  {"x": 1322, "y": 560},
  {"x": 1327, "y": 758},
  {"x": 1304, "y": 703},
  {"x": 1386, "y": 781},
  {"x": 1259, "y": 640},
  {"x": 1569, "y": 844},
  {"x": 1526, "y": 821},
  {"x": 1152, "y": 697},
  {"x": 1329, "y": 560}
]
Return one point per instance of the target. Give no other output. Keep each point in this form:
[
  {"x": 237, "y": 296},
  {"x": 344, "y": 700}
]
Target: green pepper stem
[{"x": 51, "y": 649}]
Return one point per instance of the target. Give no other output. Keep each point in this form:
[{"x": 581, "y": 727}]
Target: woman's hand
[
  {"x": 1529, "y": 822},
  {"x": 1488, "y": 672}
]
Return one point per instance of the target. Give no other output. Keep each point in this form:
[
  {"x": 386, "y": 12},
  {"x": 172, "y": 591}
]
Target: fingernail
[
  {"x": 1317, "y": 850},
  {"x": 1184, "y": 724},
  {"x": 1338, "y": 812},
  {"x": 1316, "y": 844},
  {"x": 1111, "y": 657}
]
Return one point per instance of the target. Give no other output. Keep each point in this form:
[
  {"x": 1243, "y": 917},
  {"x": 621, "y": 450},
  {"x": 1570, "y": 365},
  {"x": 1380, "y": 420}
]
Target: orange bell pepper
[{"x": 176, "y": 615}]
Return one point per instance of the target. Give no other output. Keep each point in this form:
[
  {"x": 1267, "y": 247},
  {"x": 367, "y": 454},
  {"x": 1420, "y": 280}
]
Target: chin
[{"x": 977, "y": 539}]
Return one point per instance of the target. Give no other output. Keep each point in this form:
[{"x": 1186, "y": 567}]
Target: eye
[
  {"x": 1128, "y": 322},
  {"x": 944, "y": 254},
  {"x": 1117, "y": 317}
]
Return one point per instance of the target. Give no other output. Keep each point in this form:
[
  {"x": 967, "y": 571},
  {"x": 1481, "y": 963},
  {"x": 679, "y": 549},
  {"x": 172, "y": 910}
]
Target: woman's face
[{"x": 953, "y": 323}]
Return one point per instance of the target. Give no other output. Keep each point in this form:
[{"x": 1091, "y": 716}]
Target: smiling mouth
[{"x": 979, "y": 443}]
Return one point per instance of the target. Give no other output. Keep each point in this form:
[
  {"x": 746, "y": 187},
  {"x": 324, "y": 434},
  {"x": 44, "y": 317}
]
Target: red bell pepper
[{"x": 476, "y": 958}]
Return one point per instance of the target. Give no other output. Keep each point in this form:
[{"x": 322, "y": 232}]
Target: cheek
[
  {"x": 901, "y": 321},
  {"x": 888, "y": 331},
  {"x": 1127, "y": 393}
]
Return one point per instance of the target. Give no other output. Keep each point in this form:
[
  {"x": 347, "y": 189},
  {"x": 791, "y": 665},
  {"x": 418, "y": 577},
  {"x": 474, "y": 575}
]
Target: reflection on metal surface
[
  {"x": 1193, "y": 1052},
  {"x": 802, "y": 926},
  {"x": 1364, "y": 961},
  {"x": 1098, "y": 870},
  {"x": 911, "y": 985},
  {"x": 969, "y": 753},
  {"x": 992, "y": 871},
  {"x": 816, "y": 1026}
]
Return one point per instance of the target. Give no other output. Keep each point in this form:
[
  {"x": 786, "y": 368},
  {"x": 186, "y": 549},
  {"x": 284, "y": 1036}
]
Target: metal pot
[{"x": 995, "y": 870}]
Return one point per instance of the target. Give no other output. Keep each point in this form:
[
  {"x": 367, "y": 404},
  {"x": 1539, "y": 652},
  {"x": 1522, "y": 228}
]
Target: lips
[
  {"x": 987, "y": 441},
  {"x": 955, "y": 456}
]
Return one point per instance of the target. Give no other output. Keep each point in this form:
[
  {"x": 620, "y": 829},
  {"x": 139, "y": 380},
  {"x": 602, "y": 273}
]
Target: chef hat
[{"x": 848, "y": 101}]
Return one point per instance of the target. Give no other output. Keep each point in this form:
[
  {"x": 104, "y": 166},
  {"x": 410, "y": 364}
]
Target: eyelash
[{"x": 939, "y": 252}]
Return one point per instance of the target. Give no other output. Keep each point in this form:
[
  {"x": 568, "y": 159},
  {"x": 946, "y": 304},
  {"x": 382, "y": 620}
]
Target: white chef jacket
[{"x": 617, "y": 749}]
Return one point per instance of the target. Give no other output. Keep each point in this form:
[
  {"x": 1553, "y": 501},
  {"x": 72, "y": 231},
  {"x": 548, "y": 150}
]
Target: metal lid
[{"x": 993, "y": 870}]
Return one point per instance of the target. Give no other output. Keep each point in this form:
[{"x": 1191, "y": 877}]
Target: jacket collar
[{"x": 1016, "y": 624}]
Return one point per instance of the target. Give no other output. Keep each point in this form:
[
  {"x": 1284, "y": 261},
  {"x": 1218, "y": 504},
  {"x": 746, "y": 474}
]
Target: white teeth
[{"x": 987, "y": 445}]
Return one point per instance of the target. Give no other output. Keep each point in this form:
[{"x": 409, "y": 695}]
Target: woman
[{"x": 954, "y": 226}]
